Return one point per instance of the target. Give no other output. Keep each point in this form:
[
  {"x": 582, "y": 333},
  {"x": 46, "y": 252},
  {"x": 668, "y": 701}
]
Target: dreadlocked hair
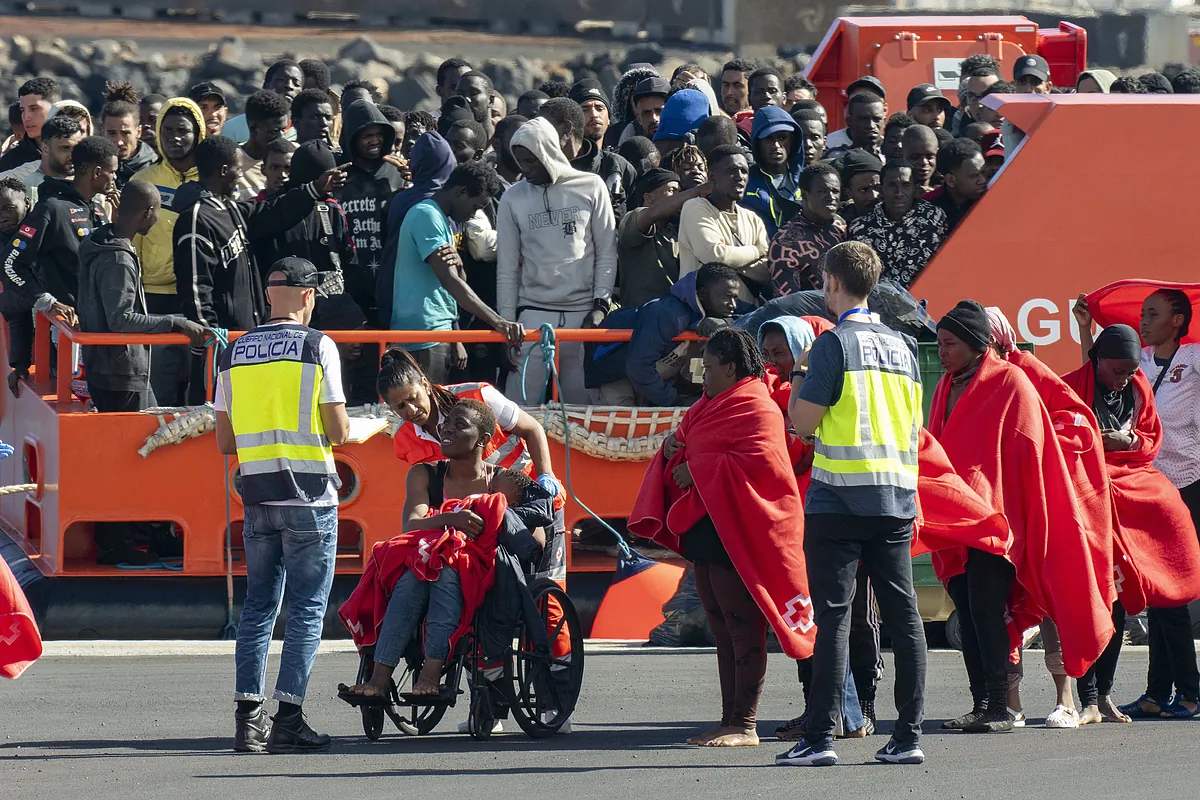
[
  {"x": 679, "y": 159},
  {"x": 122, "y": 101},
  {"x": 736, "y": 346},
  {"x": 398, "y": 368},
  {"x": 1181, "y": 305}
]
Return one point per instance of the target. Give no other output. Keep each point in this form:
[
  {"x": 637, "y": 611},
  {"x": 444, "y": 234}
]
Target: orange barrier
[
  {"x": 1069, "y": 213},
  {"x": 93, "y": 462}
]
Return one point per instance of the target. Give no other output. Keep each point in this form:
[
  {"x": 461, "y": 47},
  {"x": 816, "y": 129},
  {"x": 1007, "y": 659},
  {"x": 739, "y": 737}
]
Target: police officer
[
  {"x": 279, "y": 407},
  {"x": 860, "y": 404}
]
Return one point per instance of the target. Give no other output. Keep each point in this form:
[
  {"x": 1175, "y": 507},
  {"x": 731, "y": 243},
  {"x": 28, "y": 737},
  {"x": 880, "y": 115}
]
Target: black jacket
[
  {"x": 617, "y": 173},
  {"x": 25, "y": 151},
  {"x": 365, "y": 199},
  {"x": 43, "y": 258},
  {"x": 330, "y": 251},
  {"x": 216, "y": 275},
  {"x": 111, "y": 300},
  {"x": 143, "y": 157}
]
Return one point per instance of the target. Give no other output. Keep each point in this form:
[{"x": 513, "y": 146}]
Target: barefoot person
[
  {"x": 443, "y": 591},
  {"x": 1172, "y": 370},
  {"x": 1155, "y": 548},
  {"x": 730, "y": 506}
]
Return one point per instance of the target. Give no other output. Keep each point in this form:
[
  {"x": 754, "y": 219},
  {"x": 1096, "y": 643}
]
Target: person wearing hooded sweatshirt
[
  {"x": 366, "y": 138},
  {"x": 322, "y": 238},
  {"x": 653, "y": 369},
  {"x": 179, "y": 128},
  {"x": 119, "y": 123},
  {"x": 624, "y": 124},
  {"x": 585, "y": 155},
  {"x": 431, "y": 162},
  {"x": 556, "y": 254},
  {"x": 773, "y": 191},
  {"x": 1095, "y": 81}
]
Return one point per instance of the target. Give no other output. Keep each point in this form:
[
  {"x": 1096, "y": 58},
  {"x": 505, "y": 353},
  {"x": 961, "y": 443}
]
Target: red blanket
[
  {"x": 20, "y": 640},
  {"x": 744, "y": 482},
  {"x": 1001, "y": 440},
  {"x": 1154, "y": 530},
  {"x": 427, "y": 553},
  {"x": 950, "y": 516},
  {"x": 1121, "y": 303},
  {"x": 1078, "y": 437}
]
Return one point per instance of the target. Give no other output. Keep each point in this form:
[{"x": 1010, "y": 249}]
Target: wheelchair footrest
[{"x": 445, "y": 697}]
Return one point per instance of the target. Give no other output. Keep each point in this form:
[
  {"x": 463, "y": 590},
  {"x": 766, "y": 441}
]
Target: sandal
[
  {"x": 1177, "y": 710},
  {"x": 1135, "y": 710},
  {"x": 359, "y": 700}
]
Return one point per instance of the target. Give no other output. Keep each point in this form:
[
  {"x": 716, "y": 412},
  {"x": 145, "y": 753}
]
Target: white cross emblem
[
  {"x": 794, "y": 613},
  {"x": 1119, "y": 578},
  {"x": 16, "y": 634}
]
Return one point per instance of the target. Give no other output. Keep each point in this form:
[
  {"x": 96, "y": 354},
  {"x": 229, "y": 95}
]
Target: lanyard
[{"x": 852, "y": 312}]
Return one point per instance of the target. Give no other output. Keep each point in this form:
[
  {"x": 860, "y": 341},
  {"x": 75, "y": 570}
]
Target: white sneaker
[
  {"x": 565, "y": 729},
  {"x": 804, "y": 755},
  {"x": 1017, "y": 717},
  {"x": 465, "y": 726},
  {"x": 1063, "y": 717}
]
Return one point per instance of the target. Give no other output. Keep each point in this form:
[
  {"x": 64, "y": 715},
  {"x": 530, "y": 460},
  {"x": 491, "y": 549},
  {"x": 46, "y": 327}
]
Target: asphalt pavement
[{"x": 159, "y": 727}]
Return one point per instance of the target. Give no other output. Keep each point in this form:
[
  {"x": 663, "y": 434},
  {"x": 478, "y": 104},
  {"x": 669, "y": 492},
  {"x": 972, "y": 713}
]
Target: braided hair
[
  {"x": 736, "y": 346},
  {"x": 1180, "y": 305},
  {"x": 681, "y": 158},
  {"x": 398, "y": 368}
]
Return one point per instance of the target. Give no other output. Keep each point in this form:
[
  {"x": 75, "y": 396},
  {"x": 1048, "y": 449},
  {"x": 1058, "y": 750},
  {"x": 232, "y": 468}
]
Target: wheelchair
[{"x": 537, "y": 687}]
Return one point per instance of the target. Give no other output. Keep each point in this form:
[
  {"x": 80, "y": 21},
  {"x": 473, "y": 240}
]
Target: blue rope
[{"x": 547, "y": 345}]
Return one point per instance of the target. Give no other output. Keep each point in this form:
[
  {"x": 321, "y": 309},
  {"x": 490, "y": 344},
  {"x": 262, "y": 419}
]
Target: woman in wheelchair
[{"x": 447, "y": 576}]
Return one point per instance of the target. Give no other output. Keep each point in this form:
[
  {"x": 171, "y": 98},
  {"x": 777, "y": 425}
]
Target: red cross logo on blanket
[
  {"x": 794, "y": 613},
  {"x": 16, "y": 634},
  {"x": 1118, "y": 578}
]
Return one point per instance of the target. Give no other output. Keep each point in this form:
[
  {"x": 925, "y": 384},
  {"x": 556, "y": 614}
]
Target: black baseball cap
[
  {"x": 919, "y": 95},
  {"x": 651, "y": 86},
  {"x": 297, "y": 272},
  {"x": 205, "y": 89},
  {"x": 1031, "y": 65},
  {"x": 867, "y": 83},
  {"x": 588, "y": 89}
]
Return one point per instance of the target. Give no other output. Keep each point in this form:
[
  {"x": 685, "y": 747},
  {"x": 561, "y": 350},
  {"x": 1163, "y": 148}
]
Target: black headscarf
[{"x": 1114, "y": 410}]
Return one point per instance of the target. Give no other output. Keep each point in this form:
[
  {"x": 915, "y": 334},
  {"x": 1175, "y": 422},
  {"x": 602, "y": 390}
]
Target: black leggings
[
  {"x": 980, "y": 596},
  {"x": 1098, "y": 680}
]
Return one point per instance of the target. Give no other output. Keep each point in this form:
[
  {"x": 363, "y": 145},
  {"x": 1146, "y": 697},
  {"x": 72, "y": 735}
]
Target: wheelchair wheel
[
  {"x": 415, "y": 720},
  {"x": 482, "y": 717},
  {"x": 372, "y": 718},
  {"x": 542, "y": 687}
]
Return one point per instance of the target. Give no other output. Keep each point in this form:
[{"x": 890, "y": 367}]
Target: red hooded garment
[
  {"x": 427, "y": 553},
  {"x": 1154, "y": 530},
  {"x": 1078, "y": 436},
  {"x": 744, "y": 482},
  {"x": 780, "y": 389},
  {"x": 20, "y": 640},
  {"x": 1001, "y": 440}
]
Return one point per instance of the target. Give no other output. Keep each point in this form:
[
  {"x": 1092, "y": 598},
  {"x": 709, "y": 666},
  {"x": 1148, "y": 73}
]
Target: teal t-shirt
[{"x": 419, "y": 301}]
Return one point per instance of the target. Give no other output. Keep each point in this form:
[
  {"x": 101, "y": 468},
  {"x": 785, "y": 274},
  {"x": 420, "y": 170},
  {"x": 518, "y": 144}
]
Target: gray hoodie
[
  {"x": 556, "y": 244},
  {"x": 111, "y": 300}
]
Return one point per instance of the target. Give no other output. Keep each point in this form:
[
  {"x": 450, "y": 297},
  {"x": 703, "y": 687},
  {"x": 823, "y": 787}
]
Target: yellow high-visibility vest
[
  {"x": 271, "y": 379},
  {"x": 870, "y": 436}
]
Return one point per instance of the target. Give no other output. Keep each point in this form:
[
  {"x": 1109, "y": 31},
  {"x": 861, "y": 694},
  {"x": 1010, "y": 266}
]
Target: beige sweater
[{"x": 706, "y": 235}]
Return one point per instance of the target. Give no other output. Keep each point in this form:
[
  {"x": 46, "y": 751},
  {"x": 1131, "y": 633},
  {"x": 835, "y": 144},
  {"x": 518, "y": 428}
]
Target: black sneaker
[
  {"x": 989, "y": 721},
  {"x": 793, "y": 730},
  {"x": 251, "y": 731},
  {"x": 293, "y": 735},
  {"x": 893, "y": 753},
  {"x": 959, "y": 723}
]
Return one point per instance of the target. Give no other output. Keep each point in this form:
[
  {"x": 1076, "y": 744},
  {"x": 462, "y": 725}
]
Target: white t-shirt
[
  {"x": 1178, "y": 402},
  {"x": 330, "y": 392}
]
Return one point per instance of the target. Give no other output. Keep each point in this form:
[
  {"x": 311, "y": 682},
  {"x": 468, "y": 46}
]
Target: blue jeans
[
  {"x": 440, "y": 602},
  {"x": 290, "y": 552}
]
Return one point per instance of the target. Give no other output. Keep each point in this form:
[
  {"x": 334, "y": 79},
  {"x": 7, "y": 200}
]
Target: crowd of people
[
  {"x": 673, "y": 204},
  {"x": 580, "y": 209}
]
